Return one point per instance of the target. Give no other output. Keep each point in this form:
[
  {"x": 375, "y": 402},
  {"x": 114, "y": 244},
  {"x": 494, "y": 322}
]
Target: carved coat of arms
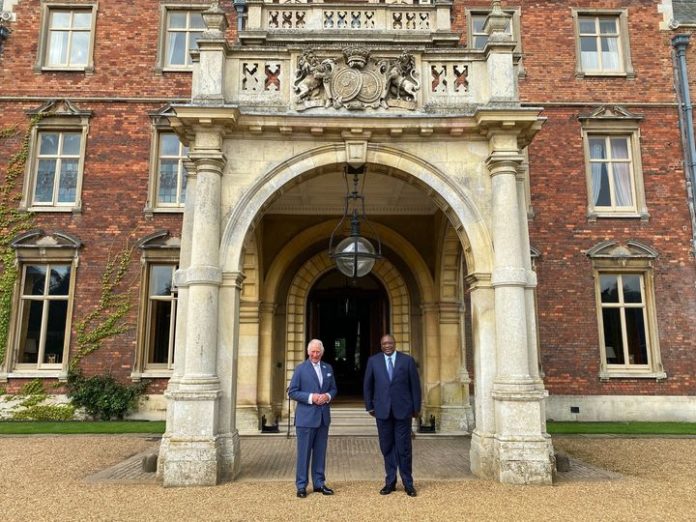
[{"x": 356, "y": 81}]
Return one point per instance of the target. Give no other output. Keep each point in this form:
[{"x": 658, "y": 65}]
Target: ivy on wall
[{"x": 12, "y": 222}]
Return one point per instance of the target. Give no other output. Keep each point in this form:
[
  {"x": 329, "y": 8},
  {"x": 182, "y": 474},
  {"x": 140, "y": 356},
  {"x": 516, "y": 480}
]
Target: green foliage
[
  {"x": 12, "y": 222},
  {"x": 107, "y": 319},
  {"x": 3, "y": 391},
  {"x": 33, "y": 400},
  {"x": 16, "y": 427},
  {"x": 102, "y": 396},
  {"x": 34, "y": 387},
  {"x": 46, "y": 412}
]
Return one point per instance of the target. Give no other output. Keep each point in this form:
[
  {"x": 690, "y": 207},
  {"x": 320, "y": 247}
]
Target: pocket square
[{"x": 328, "y": 375}]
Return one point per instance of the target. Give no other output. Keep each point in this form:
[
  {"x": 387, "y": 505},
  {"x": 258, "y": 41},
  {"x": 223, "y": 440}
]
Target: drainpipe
[{"x": 680, "y": 42}]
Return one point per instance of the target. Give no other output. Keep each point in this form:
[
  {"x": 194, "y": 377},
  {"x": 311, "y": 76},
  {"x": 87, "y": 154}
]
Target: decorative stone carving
[{"x": 357, "y": 81}]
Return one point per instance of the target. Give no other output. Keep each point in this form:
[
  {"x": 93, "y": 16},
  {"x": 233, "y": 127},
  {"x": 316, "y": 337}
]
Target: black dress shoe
[
  {"x": 388, "y": 488},
  {"x": 324, "y": 490},
  {"x": 411, "y": 492},
  {"x": 301, "y": 493}
]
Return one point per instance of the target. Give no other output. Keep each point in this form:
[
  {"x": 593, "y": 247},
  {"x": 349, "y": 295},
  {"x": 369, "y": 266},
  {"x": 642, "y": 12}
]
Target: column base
[
  {"x": 454, "y": 419},
  {"x": 248, "y": 419},
  {"x": 482, "y": 455},
  {"x": 525, "y": 461},
  {"x": 229, "y": 456},
  {"x": 191, "y": 461}
]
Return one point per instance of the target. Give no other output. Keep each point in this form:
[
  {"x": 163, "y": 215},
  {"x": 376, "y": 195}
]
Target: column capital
[
  {"x": 478, "y": 281},
  {"x": 198, "y": 275},
  {"x": 233, "y": 279}
]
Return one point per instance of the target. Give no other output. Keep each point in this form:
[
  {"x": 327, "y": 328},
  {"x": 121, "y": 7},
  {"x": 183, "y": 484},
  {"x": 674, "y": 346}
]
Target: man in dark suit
[
  {"x": 312, "y": 386},
  {"x": 392, "y": 395}
]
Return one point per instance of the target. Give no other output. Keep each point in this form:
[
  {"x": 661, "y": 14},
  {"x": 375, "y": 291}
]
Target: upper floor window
[
  {"x": 171, "y": 172},
  {"x": 181, "y": 30},
  {"x": 66, "y": 37},
  {"x": 478, "y": 38},
  {"x": 54, "y": 171},
  {"x": 625, "y": 296},
  {"x": 613, "y": 166},
  {"x": 602, "y": 43}
]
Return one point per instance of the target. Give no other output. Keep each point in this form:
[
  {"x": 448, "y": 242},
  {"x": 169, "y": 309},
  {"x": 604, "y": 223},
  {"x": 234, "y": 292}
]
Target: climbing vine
[
  {"x": 12, "y": 222},
  {"x": 108, "y": 317}
]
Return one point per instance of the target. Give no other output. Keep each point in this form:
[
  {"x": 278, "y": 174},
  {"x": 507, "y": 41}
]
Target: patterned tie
[{"x": 390, "y": 368}]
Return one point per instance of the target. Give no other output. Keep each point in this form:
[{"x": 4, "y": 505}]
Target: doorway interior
[{"x": 349, "y": 317}]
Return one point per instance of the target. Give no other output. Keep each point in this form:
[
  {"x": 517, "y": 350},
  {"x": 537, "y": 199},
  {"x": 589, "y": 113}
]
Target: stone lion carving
[
  {"x": 312, "y": 78},
  {"x": 401, "y": 82}
]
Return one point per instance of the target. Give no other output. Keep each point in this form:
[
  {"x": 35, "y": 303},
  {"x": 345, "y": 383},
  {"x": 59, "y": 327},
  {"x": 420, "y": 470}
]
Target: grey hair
[{"x": 315, "y": 341}]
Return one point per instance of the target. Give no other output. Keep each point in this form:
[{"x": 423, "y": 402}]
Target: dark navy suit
[
  {"x": 394, "y": 403},
  {"x": 311, "y": 421}
]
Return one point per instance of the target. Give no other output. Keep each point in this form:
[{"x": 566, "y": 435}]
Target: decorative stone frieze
[{"x": 356, "y": 81}]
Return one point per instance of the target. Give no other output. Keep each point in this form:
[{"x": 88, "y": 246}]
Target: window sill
[
  {"x": 83, "y": 70},
  {"x": 594, "y": 215},
  {"x": 61, "y": 374},
  {"x": 582, "y": 75},
  {"x": 608, "y": 375},
  {"x": 74, "y": 210},
  {"x": 149, "y": 211},
  {"x": 152, "y": 374}
]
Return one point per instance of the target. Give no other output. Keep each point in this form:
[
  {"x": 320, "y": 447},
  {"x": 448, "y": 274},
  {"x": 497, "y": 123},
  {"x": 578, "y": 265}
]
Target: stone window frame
[
  {"x": 636, "y": 258},
  {"x": 615, "y": 121},
  {"x": 159, "y": 248},
  {"x": 160, "y": 125},
  {"x": 47, "y": 6},
  {"x": 515, "y": 12},
  {"x": 36, "y": 247},
  {"x": 56, "y": 116},
  {"x": 165, "y": 8},
  {"x": 621, "y": 15}
]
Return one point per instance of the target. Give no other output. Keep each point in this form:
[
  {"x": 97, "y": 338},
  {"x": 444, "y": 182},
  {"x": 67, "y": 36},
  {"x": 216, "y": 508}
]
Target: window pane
[
  {"x": 611, "y": 322},
  {"x": 160, "y": 321},
  {"x": 60, "y": 20},
  {"x": 197, "y": 21},
  {"x": 48, "y": 143},
  {"x": 622, "y": 185},
  {"x": 590, "y": 61},
  {"x": 167, "y": 181},
  {"x": 161, "y": 280},
  {"x": 607, "y": 26},
  {"x": 34, "y": 280},
  {"x": 602, "y": 191},
  {"x": 610, "y": 54},
  {"x": 55, "y": 331},
  {"x": 58, "y": 48},
  {"x": 177, "y": 49},
  {"x": 71, "y": 143},
  {"x": 597, "y": 149},
  {"x": 609, "y": 288},
  {"x": 480, "y": 41},
  {"x": 193, "y": 43},
  {"x": 44, "y": 181},
  {"x": 169, "y": 145},
  {"x": 68, "y": 181},
  {"x": 79, "y": 49},
  {"x": 31, "y": 332},
  {"x": 631, "y": 289},
  {"x": 587, "y": 25},
  {"x": 59, "y": 283},
  {"x": 635, "y": 335},
  {"x": 619, "y": 148},
  {"x": 477, "y": 22},
  {"x": 182, "y": 196},
  {"x": 82, "y": 20},
  {"x": 177, "y": 20}
]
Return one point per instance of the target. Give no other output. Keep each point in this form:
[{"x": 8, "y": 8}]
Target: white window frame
[
  {"x": 158, "y": 249},
  {"x": 633, "y": 258},
  {"x": 611, "y": 122},
  {"x": 57, "y": 117},
  {"x": 37, "y": 248},
  {"x": 162, "y": 64},
  {"x": 48, "y": 7},
  {"x": 624, "y": 47}
]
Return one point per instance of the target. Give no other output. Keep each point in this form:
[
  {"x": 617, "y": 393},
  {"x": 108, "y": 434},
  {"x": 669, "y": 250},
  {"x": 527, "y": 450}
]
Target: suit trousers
[
  {"x": 311, "y": 445},
  {"x": 395, "y": 444}
]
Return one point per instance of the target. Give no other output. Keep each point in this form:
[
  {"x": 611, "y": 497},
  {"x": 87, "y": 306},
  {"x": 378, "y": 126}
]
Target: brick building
[{"x": 522, "y": 172}]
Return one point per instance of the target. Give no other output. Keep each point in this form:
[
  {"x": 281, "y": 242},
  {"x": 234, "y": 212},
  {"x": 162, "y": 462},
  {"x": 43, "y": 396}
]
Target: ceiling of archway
[{"x": 325, "y": 194}]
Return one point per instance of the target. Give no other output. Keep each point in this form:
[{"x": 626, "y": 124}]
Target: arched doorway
[{"x": 349, "y": 316}]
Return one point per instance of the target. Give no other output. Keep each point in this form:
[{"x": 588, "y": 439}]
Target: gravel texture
[{"x": 44, "y": 478}]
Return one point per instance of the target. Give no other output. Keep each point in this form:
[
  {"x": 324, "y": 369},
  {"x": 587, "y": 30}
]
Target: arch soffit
[
  {"x": 308, "y": 237},
  {"x": 453, "y": 199}
]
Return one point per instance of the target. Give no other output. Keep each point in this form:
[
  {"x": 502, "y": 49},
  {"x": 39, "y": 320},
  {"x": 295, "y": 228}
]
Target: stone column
[
  {"x": 454, "y": 407},
  {"x": 248, "y": 368},
  {"x": 431, "y": 362},
  {"x": 192, "y": 450},
  {"x": 502, "y": 79},
  {"x": 522, "y": 451},
  {"x": 482, "y": 453},
  {"x": 181, "y": 308},
  {"x": 265, "y": 375}
]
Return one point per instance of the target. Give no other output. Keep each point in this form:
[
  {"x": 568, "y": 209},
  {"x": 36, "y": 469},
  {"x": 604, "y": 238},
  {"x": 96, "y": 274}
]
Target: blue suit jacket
[
  {"x": 305, "y": 381},
  {"x": 401, "y": 396}
]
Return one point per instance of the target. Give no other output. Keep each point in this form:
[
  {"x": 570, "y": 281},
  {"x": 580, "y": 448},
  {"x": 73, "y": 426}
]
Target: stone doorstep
[{"x": 354, "y": 458}]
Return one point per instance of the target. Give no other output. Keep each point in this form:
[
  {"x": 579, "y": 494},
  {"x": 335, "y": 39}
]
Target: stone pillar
[
  {"x": 431, "y": 362},
  {"x": 523, "y": 453},
  {"x": 181, "y": 308},
  {"x": 502, "y": 79},
  {"x": 482, "y": 453},
  {"x": 192, "y": 451},
  {"x": 265, "y": 375},
  {"x": 455, "y": 406},
  {"x": 208, "y": 81},
  {"x": 248, "y": 368}
]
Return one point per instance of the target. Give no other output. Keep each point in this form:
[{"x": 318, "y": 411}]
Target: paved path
[{"x": 272, "y": 458}]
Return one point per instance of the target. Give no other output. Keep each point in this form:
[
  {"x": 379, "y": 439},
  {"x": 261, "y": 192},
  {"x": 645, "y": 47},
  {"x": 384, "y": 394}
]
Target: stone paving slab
[{"x": 272, "y": 458}]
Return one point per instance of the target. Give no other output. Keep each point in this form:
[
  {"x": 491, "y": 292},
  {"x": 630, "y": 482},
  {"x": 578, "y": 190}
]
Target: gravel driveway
[{"x": 44, "y": 478}]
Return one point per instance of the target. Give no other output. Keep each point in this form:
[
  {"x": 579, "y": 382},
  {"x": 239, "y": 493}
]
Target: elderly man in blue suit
[
  {"x": 392, "y": 395},
  {"x": 312, "y": 386}
]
